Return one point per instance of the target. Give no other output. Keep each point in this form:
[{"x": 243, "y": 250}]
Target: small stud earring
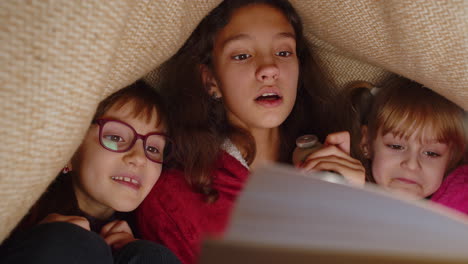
[
  {"x": 65, "y": 170},
  {"x": 366, "y": 154},
  {"x": 215, "y": 96}
]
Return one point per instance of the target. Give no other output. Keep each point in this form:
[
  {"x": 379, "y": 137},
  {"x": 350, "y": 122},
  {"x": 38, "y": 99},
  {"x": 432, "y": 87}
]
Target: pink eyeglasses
[{"x": 118, "y": 136}]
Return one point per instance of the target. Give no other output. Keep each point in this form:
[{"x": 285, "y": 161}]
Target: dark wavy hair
[{"x": 199, "y": 124}]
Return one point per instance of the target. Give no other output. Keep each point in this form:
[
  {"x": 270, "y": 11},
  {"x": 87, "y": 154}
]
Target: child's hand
[
  {"x": 334, "y": 156},
  {"x": 73, "y": 219},
  {"x": 117, "y": 234}
]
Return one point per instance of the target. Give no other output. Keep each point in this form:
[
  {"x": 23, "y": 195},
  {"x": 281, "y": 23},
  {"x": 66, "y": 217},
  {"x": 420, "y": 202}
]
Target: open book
[{"x": 287, "y": 216}]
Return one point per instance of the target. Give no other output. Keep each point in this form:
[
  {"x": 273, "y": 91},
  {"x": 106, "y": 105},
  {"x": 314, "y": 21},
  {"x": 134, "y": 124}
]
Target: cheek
[
  {"x": 438, "y": 181},
  {"x": 289, "y": 82},
  {"x": 433, "y": 183},
  {"x": 380, "y": 167},
  {"x": 88, "y": 163},
  {"x": 153, "y": 173},
  {"x": 435, "y": 171},
  {"x": 231, "y": 74},
  {"x": 231, "y": 83},
  {"x": 290, "y": 73},
  {"x": 377, "y": 173},
  {"x": 440, "y": 164}
]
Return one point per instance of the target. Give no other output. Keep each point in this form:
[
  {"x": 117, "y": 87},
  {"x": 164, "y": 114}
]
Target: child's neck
[
  {"x": 92, "y": 207},
  {"x": 267, "y": 146}
]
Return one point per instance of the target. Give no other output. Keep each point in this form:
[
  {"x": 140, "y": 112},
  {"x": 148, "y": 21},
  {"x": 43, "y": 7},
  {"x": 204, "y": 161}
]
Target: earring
[
  {"x": 366, "y": 153},
  {"x": 65, "y": 170},
  {"x": 215, "y": 96}
]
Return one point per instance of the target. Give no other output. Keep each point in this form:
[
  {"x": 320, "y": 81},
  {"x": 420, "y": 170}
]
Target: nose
[
  {"x": 267, "y": 71},
  {"x": 411, "y": 161},
  {"x": 136, "y": 155}
]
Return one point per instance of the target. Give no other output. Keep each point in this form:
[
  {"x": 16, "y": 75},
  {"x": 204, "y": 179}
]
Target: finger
[
  {"x": 115, "y": 227},
  {"x": 107, "y": 227},
  {"x": 121, "y": 226},
  {"x": 118, "y": 240},
  {"x": 328, "y": 151},
  {"x": 340, "y": 139},
  {"x": 51, "y": 218},
  {"x": 311, "y": 164},
  {"x": 350, "y": 168},
  {"x": 351, "y": 174},
  {"x": 81, "y": 222}
]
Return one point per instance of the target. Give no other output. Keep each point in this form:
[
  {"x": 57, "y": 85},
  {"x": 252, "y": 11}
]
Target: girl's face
[
  {"x": 107, "y": 181},
  {"x": 255, "y": 67},
  {"x": 411, "y": 166}
]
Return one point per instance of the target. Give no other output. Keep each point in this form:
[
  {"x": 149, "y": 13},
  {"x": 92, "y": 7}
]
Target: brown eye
[
  {"x": 241, "y": 56},
  {"x": 395, "y": 146},
  {"x": 431, "y": 154},
  {"x": 114, "y": 138},
  {"x": 284, "y": 53},
  {"x": 151, "y": 149}
]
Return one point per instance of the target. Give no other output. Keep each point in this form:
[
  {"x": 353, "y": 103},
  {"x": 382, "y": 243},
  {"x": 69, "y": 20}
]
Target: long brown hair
[
  {"x": 60, "y": 197},
  {"x": 200, "y": 125}
]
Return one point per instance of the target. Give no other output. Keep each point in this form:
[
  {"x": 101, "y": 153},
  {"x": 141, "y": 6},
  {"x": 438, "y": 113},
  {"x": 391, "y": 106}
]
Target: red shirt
[{"x": 174, "y": 215}]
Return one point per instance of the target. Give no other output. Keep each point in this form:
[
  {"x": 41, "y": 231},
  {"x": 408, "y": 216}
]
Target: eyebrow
[
  {"x": 160, "y": 125},
  {"x": 246, "y": 36}
]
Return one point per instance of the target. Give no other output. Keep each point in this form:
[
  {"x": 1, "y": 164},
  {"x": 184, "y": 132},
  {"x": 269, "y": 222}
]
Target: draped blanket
[{"x": 59, "y": 58}]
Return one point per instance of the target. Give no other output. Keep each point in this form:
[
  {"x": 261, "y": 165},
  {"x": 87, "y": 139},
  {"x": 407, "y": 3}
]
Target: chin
[
  {"x": 126, "y": 207},
  {"x": 408, "y": 194},
  {"x": 273, "y": 122}
]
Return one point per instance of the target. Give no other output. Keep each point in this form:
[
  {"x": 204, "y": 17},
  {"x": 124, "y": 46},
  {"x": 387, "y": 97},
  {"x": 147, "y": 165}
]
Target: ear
[
  {"x": 209, "y": 81},
  {"x": 365, "y": 149}
]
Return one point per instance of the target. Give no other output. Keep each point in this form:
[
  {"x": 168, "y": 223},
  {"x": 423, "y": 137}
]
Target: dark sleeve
[
  {"x": 131, "y": 220},
  {"x": 59, "y": 198}
]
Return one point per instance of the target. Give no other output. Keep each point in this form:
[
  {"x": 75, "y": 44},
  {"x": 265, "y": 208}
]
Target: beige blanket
[{"x": 59, "y": 58}]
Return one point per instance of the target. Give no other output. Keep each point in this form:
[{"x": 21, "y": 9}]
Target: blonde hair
[{"x": 404, "y": 107}]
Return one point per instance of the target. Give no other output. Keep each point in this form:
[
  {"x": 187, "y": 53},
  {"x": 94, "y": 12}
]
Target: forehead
[
  {"x": 144, "y": 119},
  {"x": 254, "y": 21},
  {"x": 423, "y": 135}
]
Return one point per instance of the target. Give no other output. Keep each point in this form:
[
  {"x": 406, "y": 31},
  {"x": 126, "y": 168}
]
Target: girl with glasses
[{"x": 82, "y": 218}]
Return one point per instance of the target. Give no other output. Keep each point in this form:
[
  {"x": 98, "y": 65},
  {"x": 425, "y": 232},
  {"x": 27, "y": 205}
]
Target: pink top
[{"x": 453, "y": 192}]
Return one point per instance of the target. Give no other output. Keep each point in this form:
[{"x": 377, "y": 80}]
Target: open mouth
[
  {"x": 268, "y": 97},
  {"x": 127, "y": 181}
]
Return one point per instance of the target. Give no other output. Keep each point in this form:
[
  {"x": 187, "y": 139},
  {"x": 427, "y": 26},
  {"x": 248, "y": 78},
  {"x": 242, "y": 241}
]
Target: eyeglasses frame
[{"x": 102, "y": 121}]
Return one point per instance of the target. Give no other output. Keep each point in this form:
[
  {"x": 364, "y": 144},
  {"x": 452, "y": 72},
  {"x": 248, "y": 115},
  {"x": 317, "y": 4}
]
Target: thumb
[{"x": 342, "y": 140}]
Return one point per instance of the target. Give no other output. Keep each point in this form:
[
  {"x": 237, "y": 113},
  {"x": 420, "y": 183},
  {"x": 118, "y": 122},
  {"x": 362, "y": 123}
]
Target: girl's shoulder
[
  {"x": 228, "y": 172},
  {"x": 176, "y": 214},
  {"x": 173, "y": 192},
  {"x": 453, "y": 191},
  {"x": 458, "y": 178}
]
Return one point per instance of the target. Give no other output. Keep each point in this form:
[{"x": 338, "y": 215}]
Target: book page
[{"x": 284, "y": 208}]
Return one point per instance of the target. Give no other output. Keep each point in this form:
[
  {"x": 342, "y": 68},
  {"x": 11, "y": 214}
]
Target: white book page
[{"x": 282, "y": 207}]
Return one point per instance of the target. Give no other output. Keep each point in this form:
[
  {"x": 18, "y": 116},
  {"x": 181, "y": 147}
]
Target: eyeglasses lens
[
  {"x": 116, "y": 136},
  {"x": 154, "y": 147},
  {"x": 119, "y": 137}
]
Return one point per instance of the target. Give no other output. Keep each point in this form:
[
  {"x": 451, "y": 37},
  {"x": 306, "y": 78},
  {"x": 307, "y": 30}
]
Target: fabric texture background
[{"x": 59, "y": 58}]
